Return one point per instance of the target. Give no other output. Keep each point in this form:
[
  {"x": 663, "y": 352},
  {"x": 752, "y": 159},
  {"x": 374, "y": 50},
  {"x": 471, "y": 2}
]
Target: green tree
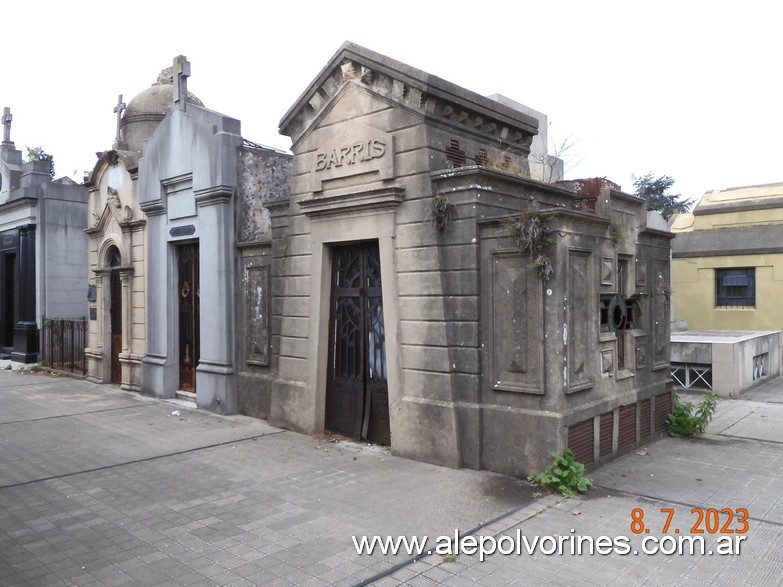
[{"x": 656, "y": 191}]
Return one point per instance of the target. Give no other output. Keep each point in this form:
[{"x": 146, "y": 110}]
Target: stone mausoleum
[
  {"x": 203, "y": 191},
  {"x": 445, "y": 344},
  {"x": 43, "y": 249},
  {"x": 371, "y": 284},
  {"x": 180, "y": 195}
]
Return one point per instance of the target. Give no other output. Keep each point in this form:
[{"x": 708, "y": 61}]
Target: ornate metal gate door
[
  {"x": 357, "y": 397},
  {"x": 115, "y": 315},
  {"x": 188, "y": 294}
]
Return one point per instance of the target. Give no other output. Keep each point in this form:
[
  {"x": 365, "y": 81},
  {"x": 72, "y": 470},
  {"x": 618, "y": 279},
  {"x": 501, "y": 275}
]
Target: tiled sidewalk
[{"x": 103, "y": 487}]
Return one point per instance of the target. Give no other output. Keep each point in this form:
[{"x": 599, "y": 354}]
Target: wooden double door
[{"x": 357, "y": 397}]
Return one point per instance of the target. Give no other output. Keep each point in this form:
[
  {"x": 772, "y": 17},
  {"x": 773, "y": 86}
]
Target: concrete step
[{"x": 187, "y": 396}]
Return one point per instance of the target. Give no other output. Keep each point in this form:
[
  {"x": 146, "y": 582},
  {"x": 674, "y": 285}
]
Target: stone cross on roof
[
  {"x": 6, "y": 120},
  {"x": 118, "y": 111},
  {"x": 180, "y": 73}
]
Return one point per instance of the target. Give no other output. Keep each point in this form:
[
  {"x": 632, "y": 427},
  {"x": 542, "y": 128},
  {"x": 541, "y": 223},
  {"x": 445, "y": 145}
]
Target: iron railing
[
  {"x": 692, "y": 375},
  {"x": 62, "y": 344}
]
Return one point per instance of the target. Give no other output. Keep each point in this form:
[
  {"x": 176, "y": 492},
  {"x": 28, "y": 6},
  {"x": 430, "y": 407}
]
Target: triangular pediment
[
  {"x": 111, "y": 211},
  {"x": 409, "y": 88}
]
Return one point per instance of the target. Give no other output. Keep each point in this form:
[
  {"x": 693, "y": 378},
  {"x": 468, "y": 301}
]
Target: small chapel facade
[
  {"x": 445, "y": 344},
  {"x": 117, "y": 231}
]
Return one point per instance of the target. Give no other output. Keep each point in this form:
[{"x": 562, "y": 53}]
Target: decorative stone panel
[
  {"x": 641, "y": 274},
  {"x": 516, "y": 325},
  {"x": 660, "y": 314},
  {"x": 256, "y": 308},
  {"x": 607, "y": 271},
  {"x": 580, "y": 322}
]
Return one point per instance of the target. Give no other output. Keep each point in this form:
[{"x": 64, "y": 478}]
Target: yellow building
[
  {"x": 727, "y": 277},
  {"x": 727, "y": 260}
]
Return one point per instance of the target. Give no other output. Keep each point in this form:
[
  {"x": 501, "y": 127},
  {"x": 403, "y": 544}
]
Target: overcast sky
[{"x": 688, "y": 89}]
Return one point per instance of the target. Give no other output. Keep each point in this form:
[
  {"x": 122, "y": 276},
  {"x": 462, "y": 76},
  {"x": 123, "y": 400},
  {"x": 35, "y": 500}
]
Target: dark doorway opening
[
  {"x": 10, "y": 311},
  {"x": 115, "y": 313},
  {"x": 357, "y": 396},
  {"x": 188, "y": 294}
]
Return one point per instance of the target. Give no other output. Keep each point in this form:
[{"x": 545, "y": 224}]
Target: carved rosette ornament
[{"x": 349, "y": 70}]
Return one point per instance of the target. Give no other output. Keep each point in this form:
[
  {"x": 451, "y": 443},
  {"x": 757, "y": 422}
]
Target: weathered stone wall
[
  {"x": 263, "y": 177},
  {"x": 63, "y": 214}
]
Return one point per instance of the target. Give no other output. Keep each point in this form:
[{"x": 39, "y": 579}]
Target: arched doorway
[{"x": 115, "y": 312}]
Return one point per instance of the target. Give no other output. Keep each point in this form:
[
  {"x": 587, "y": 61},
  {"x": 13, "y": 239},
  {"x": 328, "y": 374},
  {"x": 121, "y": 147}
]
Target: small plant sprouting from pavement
[
  {"x": 441, "y": 209},
  {"x": 563, "y": 475},
  {"x": 532, "y": 232},
  {"x": 689, "y": 420}
]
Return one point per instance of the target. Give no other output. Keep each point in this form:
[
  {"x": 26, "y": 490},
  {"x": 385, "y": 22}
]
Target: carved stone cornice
[
  {"x": 106, "y": 271},
  {"x": 26, "y": 202},
  {"x": 219, "y": 194},
  {"x": 413, "y": 89},
  {"x": 153, "y": 207},
  {"x": 131, "y": 225},
  {"x": 342, "y": 204}
]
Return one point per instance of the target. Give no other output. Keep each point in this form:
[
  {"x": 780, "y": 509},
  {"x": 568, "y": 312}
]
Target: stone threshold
[{"x": 186, "y": 396}]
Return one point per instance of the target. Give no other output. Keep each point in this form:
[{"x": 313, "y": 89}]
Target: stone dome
[{"x": 145, "y": 111}]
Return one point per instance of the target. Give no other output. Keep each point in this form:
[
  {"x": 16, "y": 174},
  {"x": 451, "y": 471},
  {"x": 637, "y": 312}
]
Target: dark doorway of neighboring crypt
[{"x": 188, "y": 294}]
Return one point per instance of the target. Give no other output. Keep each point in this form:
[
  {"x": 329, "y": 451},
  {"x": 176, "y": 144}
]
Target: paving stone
[{"x": 102, "y": 487}]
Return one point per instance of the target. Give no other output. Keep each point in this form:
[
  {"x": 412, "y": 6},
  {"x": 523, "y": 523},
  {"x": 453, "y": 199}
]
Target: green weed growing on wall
[
  {"x": 532, "y": 232},
  {"x": 440, "y": 211}
]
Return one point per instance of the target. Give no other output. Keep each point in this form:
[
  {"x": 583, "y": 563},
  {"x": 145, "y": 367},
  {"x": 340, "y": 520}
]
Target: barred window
[{"x": 735, "y": 287}]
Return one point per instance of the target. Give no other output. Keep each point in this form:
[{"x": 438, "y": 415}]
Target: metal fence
[
  {"x": 62, "y": 344},
  {"x": 692, "y": 375}
]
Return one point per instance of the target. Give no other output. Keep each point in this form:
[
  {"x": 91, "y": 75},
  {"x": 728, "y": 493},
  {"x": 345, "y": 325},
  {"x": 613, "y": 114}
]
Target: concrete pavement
[{"x": 103, "y": 487}]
